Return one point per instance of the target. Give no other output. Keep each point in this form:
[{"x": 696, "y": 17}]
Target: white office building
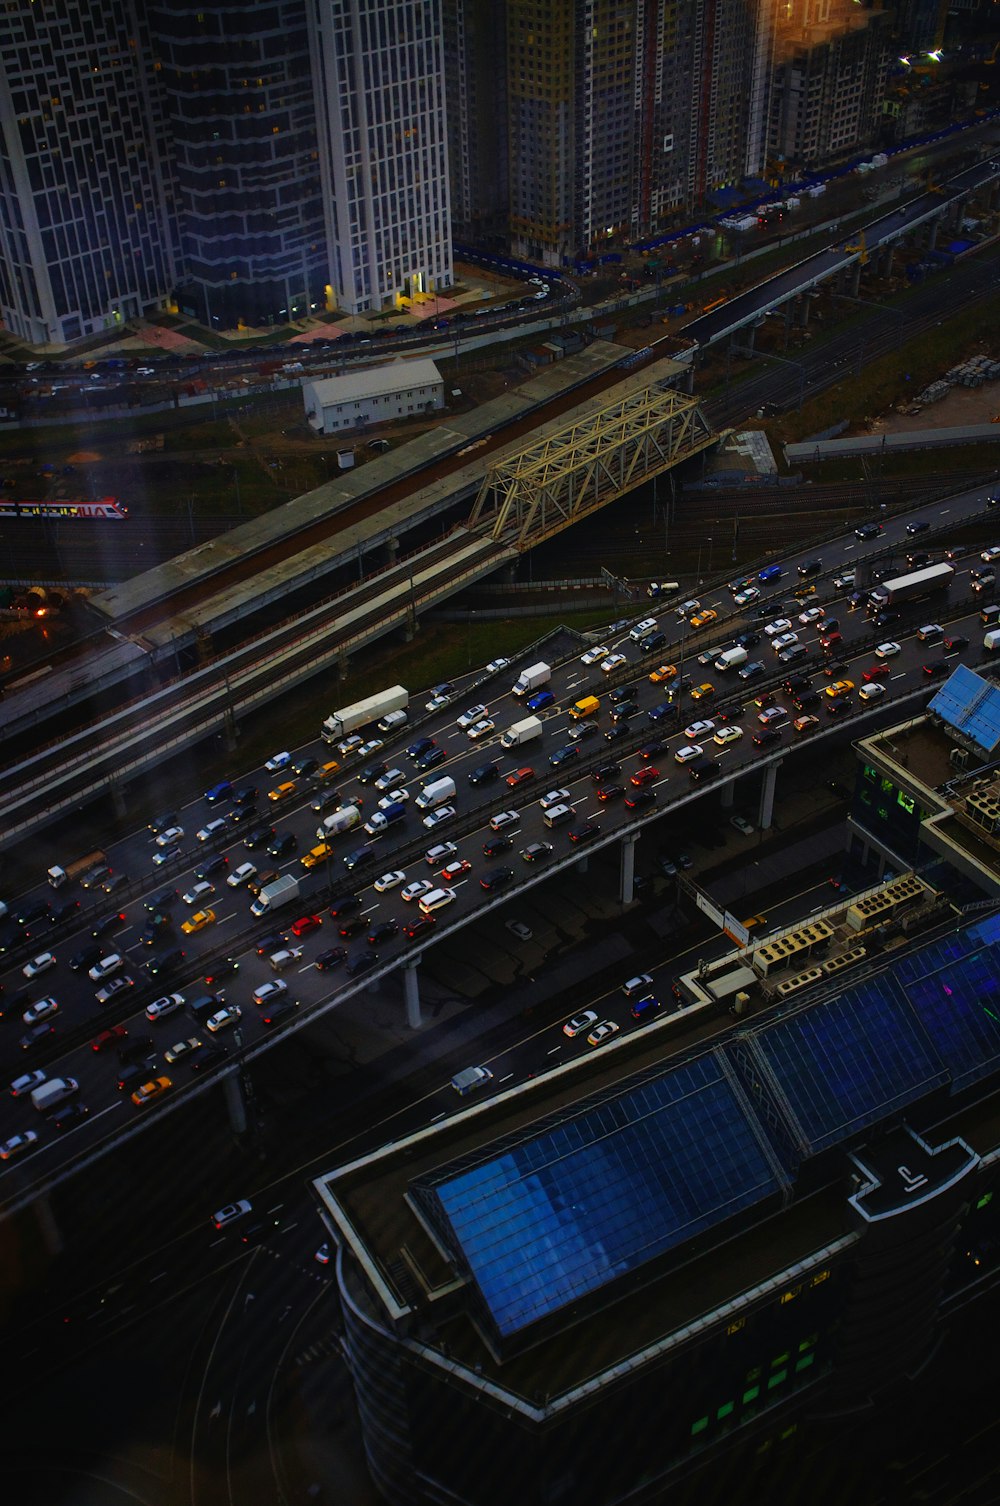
[
  {"x": 379, "y": 78},
  {"x": 84, "y": 241}
]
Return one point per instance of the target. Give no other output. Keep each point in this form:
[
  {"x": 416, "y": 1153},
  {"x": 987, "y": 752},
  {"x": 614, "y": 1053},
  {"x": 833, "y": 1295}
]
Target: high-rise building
[
  {"x": 84, "y": 237},
  {"x": 379, "y": 80},
  {"x": 475, "y": 60},
  {"x": 249, "y": 210}
]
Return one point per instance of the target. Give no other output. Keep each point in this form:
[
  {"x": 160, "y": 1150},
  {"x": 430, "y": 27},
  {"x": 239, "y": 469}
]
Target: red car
[
  {"x": 877, "y": 672},
  {"x": 305, "y": 924},
  {"x": 644, "y": 776},
  {"x": 108, "y": 1038},
  {"x": 520, "y": 776}
]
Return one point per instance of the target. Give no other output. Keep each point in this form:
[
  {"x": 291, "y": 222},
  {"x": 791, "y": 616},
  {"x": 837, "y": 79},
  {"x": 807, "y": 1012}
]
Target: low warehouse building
[{"x": 372, "y": 396}]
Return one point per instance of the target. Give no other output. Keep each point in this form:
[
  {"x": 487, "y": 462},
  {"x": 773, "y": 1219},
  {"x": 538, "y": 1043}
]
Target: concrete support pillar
[
  {"x": 766, "y": 811},
  {"x": 46, "y": 1220},
  {"x": 582, "y": 864},
  {"x": 728, "y": 793},
  {"x": 392, "y": 549},
  {"x": 411, "y": 992},
  {"x": 932, "y": 233},
  {"x": 118, "y": 799},
  {"x": 787, "y": 313},
  {"x": 236, "y": 1107},
  {"x": 342, "y": 667},
  {"x": 626, "y": 886},
  {"x": 803, "y": 305},
  {"x": 230, "y": 732},
  {"x": 856, "y": 279}
]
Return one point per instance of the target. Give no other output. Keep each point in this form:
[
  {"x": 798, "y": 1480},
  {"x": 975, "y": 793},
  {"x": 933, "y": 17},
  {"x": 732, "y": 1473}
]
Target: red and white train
[{"x": 106, "y": 507}]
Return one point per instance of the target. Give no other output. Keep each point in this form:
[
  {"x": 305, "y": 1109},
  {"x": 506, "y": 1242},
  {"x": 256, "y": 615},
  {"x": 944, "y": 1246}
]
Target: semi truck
[
  {"x": 343, "y": 820},
  {"x": 59, "y": 876},
  {"x": 522, "y": 732},
  {"x": 902, "y": 588},
  {"x": 532, "y": 678},
  {"x": 272, "y": 896},
  {"x": 364, "y": 713}
]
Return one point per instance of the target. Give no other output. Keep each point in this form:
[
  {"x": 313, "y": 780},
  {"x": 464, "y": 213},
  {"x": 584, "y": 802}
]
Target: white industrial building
[{"x": 397, "y": 390}]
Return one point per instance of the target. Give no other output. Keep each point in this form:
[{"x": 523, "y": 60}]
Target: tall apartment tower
[
  {"x": 84, "y": 241},
  {"x": 250, "y": 220},
  {"x": 475, "y": 61},
  {"x": 379, "y": 80}
]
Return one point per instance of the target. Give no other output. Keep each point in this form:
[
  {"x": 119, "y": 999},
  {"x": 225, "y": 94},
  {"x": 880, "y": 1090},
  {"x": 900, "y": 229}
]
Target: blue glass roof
[
  {"x": 959, "y": 1006},
  {"x": 846, "y": 1063},
  {"x": 539, "y": 1225},
  {"x": 971, "y": 705}
]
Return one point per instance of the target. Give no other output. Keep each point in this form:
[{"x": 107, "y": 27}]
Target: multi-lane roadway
[{"x": 491, "y": 866}]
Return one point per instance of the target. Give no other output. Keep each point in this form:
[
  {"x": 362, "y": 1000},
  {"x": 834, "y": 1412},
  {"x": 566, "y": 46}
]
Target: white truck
[
  {"x": 363, "y": 713},
  {"x": 272, "y": 896},
  {"x": 343, "y": 820},
  {"x": 437, "y": 792},
  {"x": 522, "y": 732},
  {"x": 59, "y": 876},
  {"x": 54, "y": 1092},
  {"x": 531, "y": 678},
  {"x": 380, "y": 821}
]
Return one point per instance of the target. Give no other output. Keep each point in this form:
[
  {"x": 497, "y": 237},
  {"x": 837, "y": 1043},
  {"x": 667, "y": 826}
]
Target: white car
[
  {"x": 602, "y": 1032},
  {"x": 160, "y": 1008},
  {"x": 581, "y": 1022},
  {"x": 435, "y": 818},
  {"x": 688, "y": 608},
  {"x": 519, "y": 929},
  {"x": 108, "y": 991},
  {"x": 27, "y": 1083},
  {"x": 783, "y": 641},
  {"x": 496, "y": 665},
  {"x": 443, "y": 852},
  {"x": 39, "y": 964},
  {"x": 350, "y": 745},
  {"x": 231, "y": 1212},
  {"x": 278, "y": 762},
  {"x": 394, "y": 797},
  {"x": 170, "y": 837},
  {"x": 698, "y": 729},
  {"x": 993, "y": 553},
  {"x": 241, "y": 875},
  {"x": 728, "y": 734},
  {"x": 42, "y": 1009},
  {"x": 371, "y": 746},
  {"x": 593, "y": 654},
  {"x": 742, "y": 825},
  {"x": 213, "y": 829},
  {"x": 636, "y": 985},
  {"x": 643, "y": 629},
  {"x": 503, "y": 819},
  {"x": 416, "y": 889},
  {"x": 389, "y": 881},
  {"x": 845, "y": 581},
  {"x": 18, "y": 1143},
  {"x": 811, "y": 614},
  {"x": 688, "y": 753},
  {"x": 104, "y": 968},
  {"x": 223, "y": 1018},
  {"x": 473, "y": 715},
  {"x": 480, "y": 729},
  {"x": 870, "y": 692},
  {"x": 887, "y": 650},
  {"x": 613, "y": 662},
  {"x": 389, "y": 780},
  {"x": 286, "y": 957},
  {"x": 746, "y": 596},
  {"x": 180, "y": 1049},
  {"x": 270, "y": 990},
  {"x": 198, "y": 892},
  {"x": 555, "y": 797},
  {"x": 779, "y": 625},
  {"x": 437, "y": 702},
  {"x": 437, "y": 899},
  {"x": 772, "y": 714}
]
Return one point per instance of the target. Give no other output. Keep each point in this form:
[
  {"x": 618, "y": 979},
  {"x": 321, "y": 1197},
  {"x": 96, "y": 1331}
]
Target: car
[
  {"x": 876, "y": 672},
  {"x": 580, "y": 1023},
  {"x": 436, "y": 899},
  {"x": 222, "y": 967},
  {"x": 663, "y": 672},
  {"x": 484, "y": 773},
  {"x": 918, "y": 527},
  {"x": 613, "y": 662},
  {"x": 592, "y": 655},
  {"x": 39, "y": 964},
  {"x": 753, "y": 671},
  {"x": 577, "y": 733},
  {"x": 554, "y": 797},
  {"x": 391, "y": 880},
  {"x": 811, "y": 614},
  {"x": 42, "y": 1009},
  {"x": 231, "y": 1212},
  {"x": 304, "y": 768},
  {"x": 887, "y": 650},
  {"x": 688, "y": 753},
  {"x": 728, "y": 734},
  {"x": 371, "y": 746},
  {"x": 440, "y": 695},
  {"x": 536, "y": 852},
  {"x": 810, "y": 567},
  {"x": 702, "y": 692},
  {"x": 496, "y": 878},
  {"x": 214, "y": 829},
  {"x": 838, "y": 708},
  {"x": 637, "y": 799},
  {"x": 644, "y": 776},
  {"x": 766, "y": 736},
  {"x": 746, "y": 596},
  {"x": 777, "y": 627},
  {"x": 389, "y": 779},
  {"x": 272, "y": 989},
  {"x": 937, "y": 668},
  {"x": 85, "y": 957},
  {"x": 332, "y": 957},
  {"x": 990, "y": 554},
  {"x": 350, "y": 745},
  {"x": 168, "y": 855},
  {"x": 283, "y": 1009},
  {"x": 585, "y": 832},
  {"x": 160, "y": 824},
  {"x": 805, "y": 723},
  {"x": 170, "y": 837},
  {"x": 67, "y": 1115},
  {"x": 420, "y": 747},
  {"x": 419, "y": 927},
  {"x": 454, "y": 869},
  {"x": 207, "y": 870},
  {"x": 105, "y": 967},
  {"x": 284, "y": 958},
  {"x": 784, "y": 641},
  {"x": 15, "y": 1145},
  {"x": 871, "y": 692},
  {"x": 842, "y": 582},
  {"x": 68, "y": 909},
  {"x": 208, "y": 1056},
  {"x": 437, "y": 817},
  {"x": 772, "y": 714},
  {"x": 956, "y": 645},
  {"x": 602, "y": 1032},
  {"x": 742, "y": 825},
  {"x": 26, "y": 1083},
  {"x": 496, "y": 665},
  {"x": 35, "y": 1035},
  {"x": 198, "y": 892},
  {"x": 241, "y": 875},
  {"x": 113, "y": 988},
  {"x": 703, "y": 618},
  {"x": 604, "y": 772},
  {"x": 305, "y": 925},
  {"x": 698, "y": 729},
  {"x": 283, "y": 846},
  {"x": 223, "y": 1018},
  {"x": 502, "y": 842},
  {"x": 504, "y": 819},
  {"x": 431, "y": 759},
  {"x": 277, "y": 762},
  {"x": 384, "y": 930},
  {"x": 540, "y": 700},
  {"x": 155, "y": 1088},
  {"x": 373, "y": 772},
  {"x": 565, "y": 754},
  {"x": 471, "y": 716},
  {"x": 985, "y": 582},
  {"x": 805, "y": 699},
  {"x": 245, "y": 795},
  {"x": 830, "y": 640},
  {"x": 839, "y": 688},
  {"x": 166, "y": 962},
  {"x": 520, "y": 776},
  {"x": 361, "y": 962},
  {"x": 198, "y": 921},
  {"x": 160, "y": 1008},
  {"x": 868, "y": 531}
]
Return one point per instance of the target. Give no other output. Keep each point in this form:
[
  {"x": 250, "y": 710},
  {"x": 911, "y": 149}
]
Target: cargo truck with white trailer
[
  {"x": 531, "y": 678},
  {"x": 522, "y": 732},
  {"x": 364, "y": 713},
  {"x": 272, "y": 896},
  {"x": 912, "y": 587}
]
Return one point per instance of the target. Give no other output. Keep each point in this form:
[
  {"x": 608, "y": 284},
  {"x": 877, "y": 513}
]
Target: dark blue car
[{"x": 541, "y": 700}]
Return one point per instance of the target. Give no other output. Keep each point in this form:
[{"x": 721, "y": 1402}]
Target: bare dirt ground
[{"x": 963, "y": 405}]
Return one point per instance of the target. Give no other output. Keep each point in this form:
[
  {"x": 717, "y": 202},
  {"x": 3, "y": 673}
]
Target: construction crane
[{"x": 861, "y": 247}]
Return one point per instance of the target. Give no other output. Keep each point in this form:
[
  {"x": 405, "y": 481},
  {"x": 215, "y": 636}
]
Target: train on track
[{"x": 105, "y": 507}]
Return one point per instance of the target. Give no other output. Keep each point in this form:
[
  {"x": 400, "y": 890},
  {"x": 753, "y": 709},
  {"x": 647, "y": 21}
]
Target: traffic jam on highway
[{"x": 275, "y": 893}]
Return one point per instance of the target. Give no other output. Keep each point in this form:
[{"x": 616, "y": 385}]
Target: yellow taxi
[
  {"x": 801, "y": 592},
  {"x": 155, "y": 1088},
  {"x": 199, "y": 920},
  {"x": 839, "y": 688},
  {"x": 316, "y": 855},
  {"x": 664, "y": 672},
  {"x": 702, "y": 692},
  {"x": 283, "y": 792},
  {"x": 703, "y": 618}
]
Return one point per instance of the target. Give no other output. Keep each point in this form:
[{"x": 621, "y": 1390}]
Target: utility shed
[{"x": 359, "y": 398}]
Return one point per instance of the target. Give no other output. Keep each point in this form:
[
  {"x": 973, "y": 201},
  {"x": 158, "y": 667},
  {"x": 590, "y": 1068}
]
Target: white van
[
  {"x": 557, "y": 814},
  {"x": 435, "y": 793},
  {"x": 732, "y": 658},
  {"x": 54, "y": 1092},
  {"x": 992, "y": 639}
]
